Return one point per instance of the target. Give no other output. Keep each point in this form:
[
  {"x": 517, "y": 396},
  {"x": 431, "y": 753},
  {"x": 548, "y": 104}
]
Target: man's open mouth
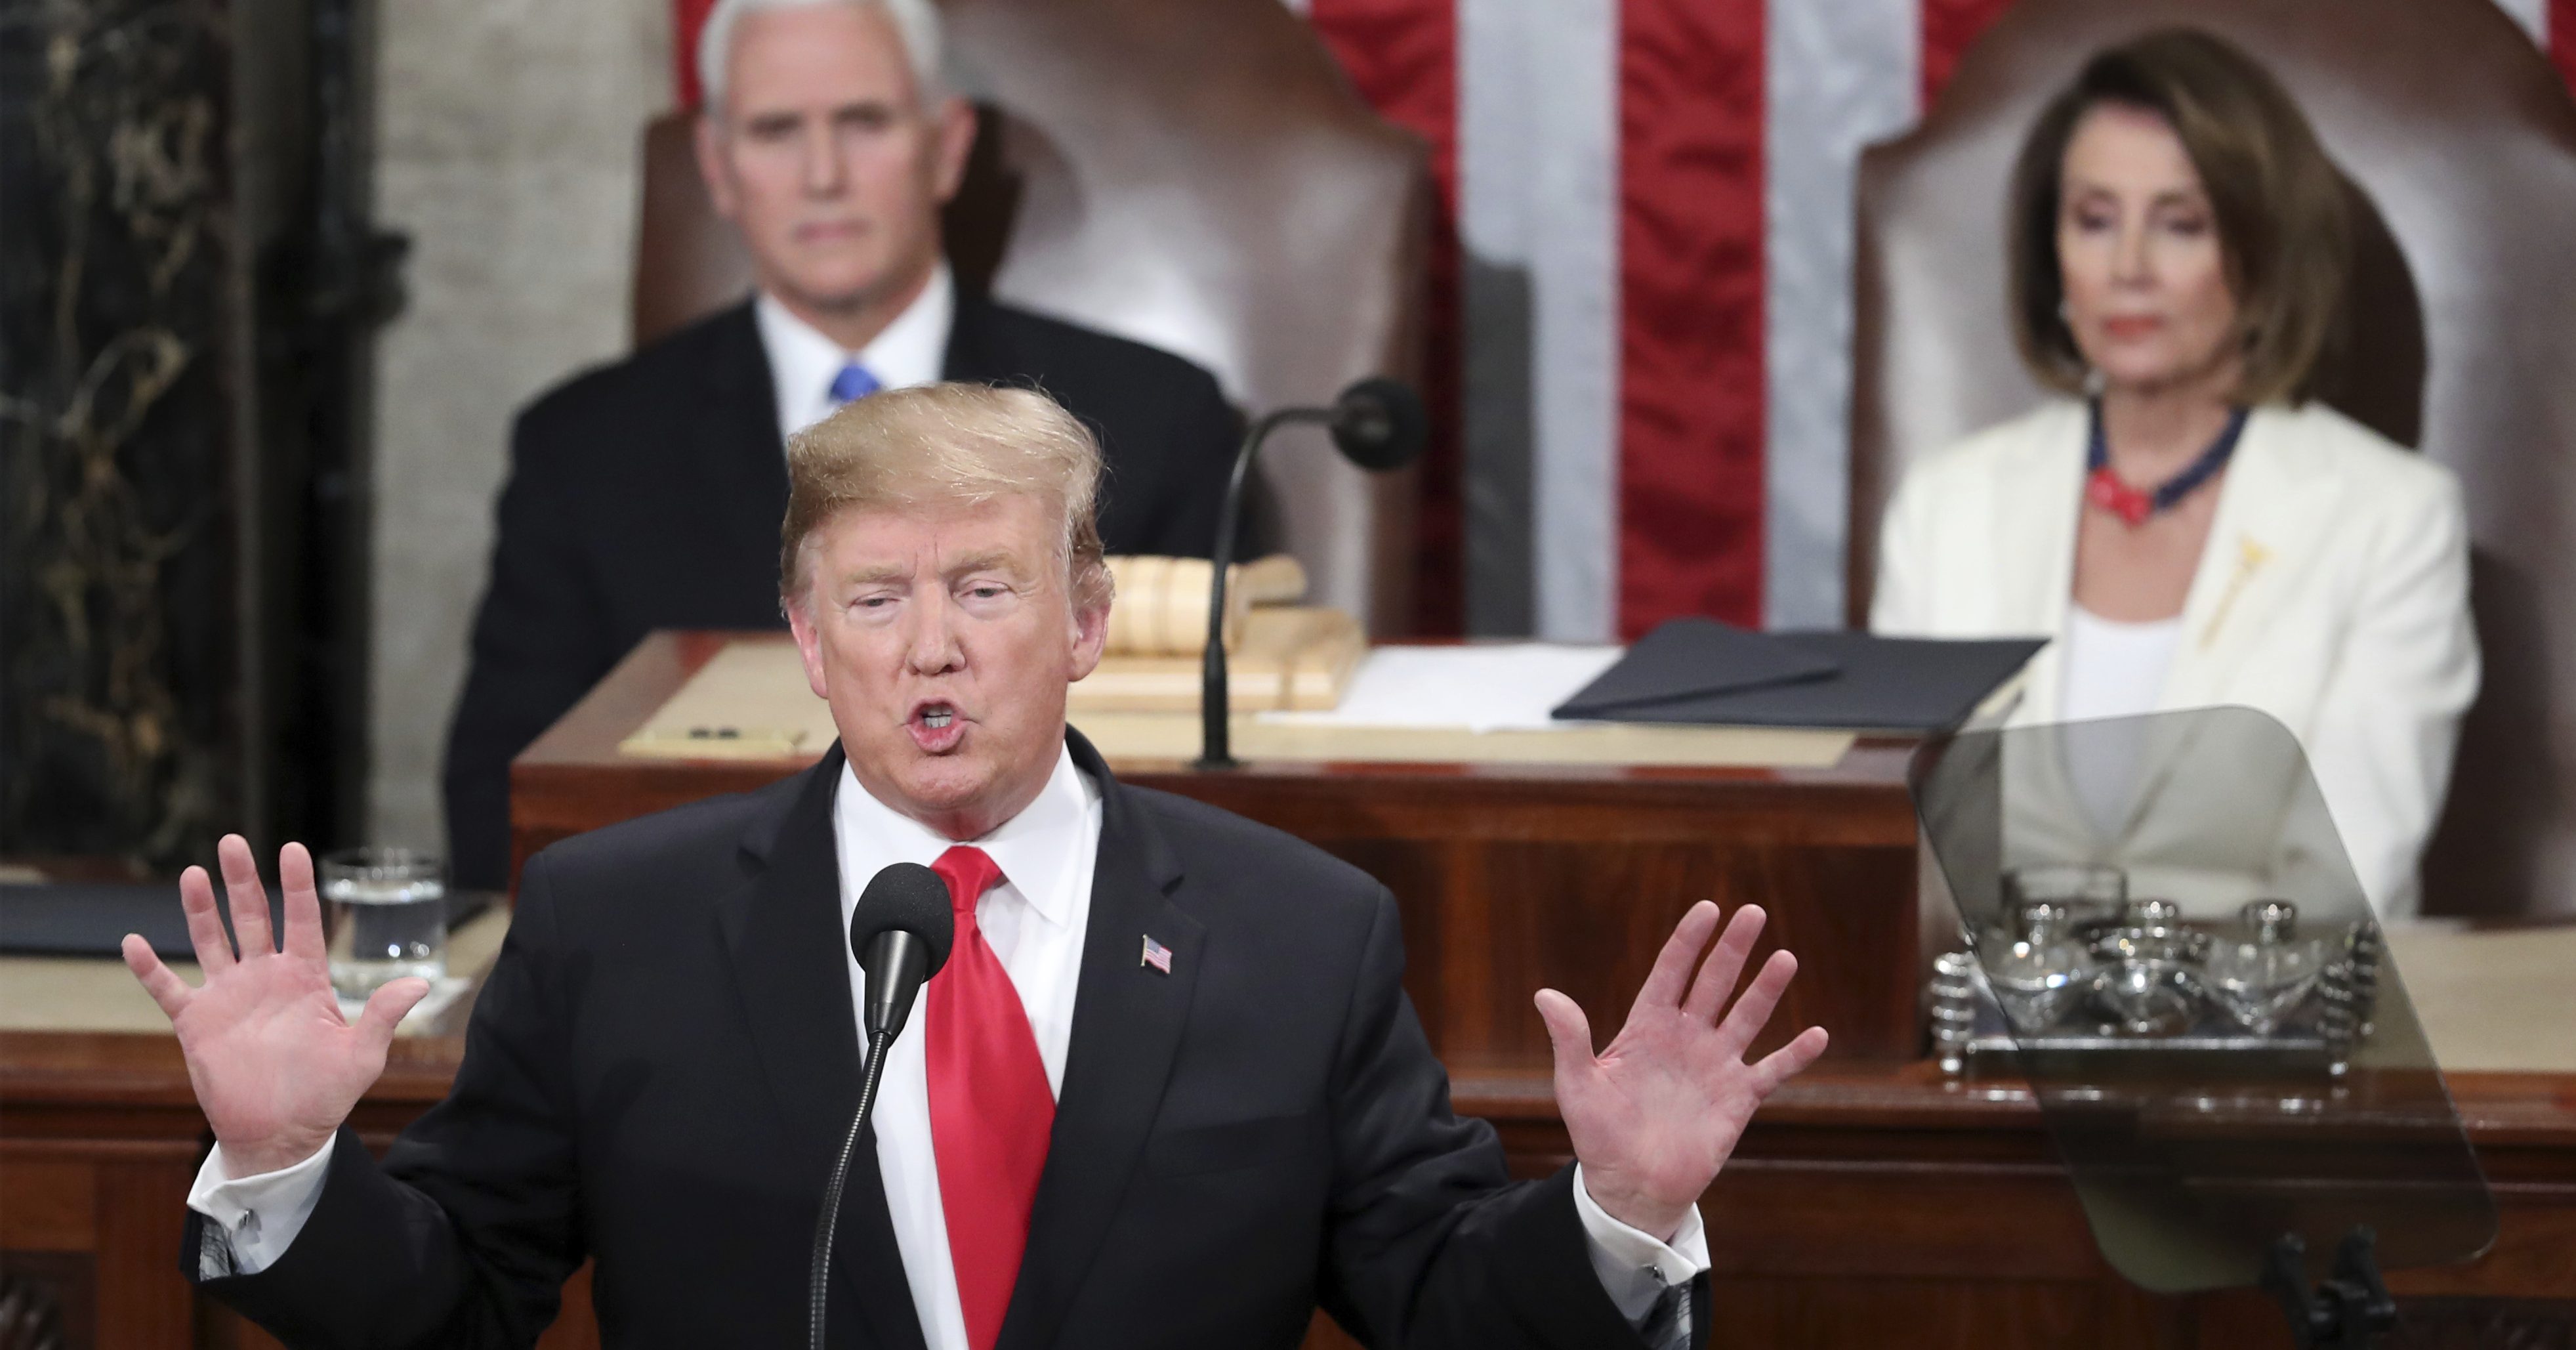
[{"x": 936, "y": 726}]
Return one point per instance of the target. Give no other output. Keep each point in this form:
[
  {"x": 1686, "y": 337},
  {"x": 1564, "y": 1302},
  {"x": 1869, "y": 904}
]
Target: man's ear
[
  {"x": 809, "y": 640},
  {"x": 955, "y": 124},
  {"x": 1090, "y": 637},
  {"x": 713, "y": 169}
]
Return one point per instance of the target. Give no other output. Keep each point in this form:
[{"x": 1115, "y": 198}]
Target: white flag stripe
[
  {"x": 1842, "y": 74},
  {"x": 1538, "y": 187}
]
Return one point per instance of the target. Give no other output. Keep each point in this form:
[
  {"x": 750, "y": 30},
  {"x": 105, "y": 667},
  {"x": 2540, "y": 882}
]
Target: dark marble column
[{"x": 120, "y": 417}]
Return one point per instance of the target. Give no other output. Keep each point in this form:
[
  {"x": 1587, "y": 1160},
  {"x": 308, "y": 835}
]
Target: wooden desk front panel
[
  {"x": 1512, "y": 884},
  {"x": 100, "y": 1137},
  {"x": 1869, "y": 1205}
]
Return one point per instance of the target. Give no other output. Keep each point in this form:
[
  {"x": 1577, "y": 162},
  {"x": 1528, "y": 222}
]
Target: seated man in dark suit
[
  {"x": 646, "y": 494},
  {"x": 1166, "y": 1092}
]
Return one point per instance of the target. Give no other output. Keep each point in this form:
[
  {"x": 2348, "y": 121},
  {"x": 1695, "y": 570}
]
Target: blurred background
[{"x": 278, "y": 272}]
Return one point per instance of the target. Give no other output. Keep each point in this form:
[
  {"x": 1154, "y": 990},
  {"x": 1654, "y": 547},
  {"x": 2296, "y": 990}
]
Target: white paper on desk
[{"x": 1504, "y": 687}]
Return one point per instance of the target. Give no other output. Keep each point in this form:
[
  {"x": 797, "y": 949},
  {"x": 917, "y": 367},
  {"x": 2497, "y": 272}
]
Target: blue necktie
[{"x": 853, "y": 382}]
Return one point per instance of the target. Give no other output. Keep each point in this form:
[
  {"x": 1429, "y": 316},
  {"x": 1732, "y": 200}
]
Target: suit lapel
[
  {"x": 2043, "y": 486},
  {"x": 1127, "y": 1022},
  {"x": 782, "y": 931},
  {"x": 970, "y": 357},
  {"x": 2274, "y": 504},
  {"x": 735, "y": 453}
]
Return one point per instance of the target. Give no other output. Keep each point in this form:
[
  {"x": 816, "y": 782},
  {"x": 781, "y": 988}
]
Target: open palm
[
  {"x": 275, "y": 1067},
  {"x": 1658, "y": 1111}
]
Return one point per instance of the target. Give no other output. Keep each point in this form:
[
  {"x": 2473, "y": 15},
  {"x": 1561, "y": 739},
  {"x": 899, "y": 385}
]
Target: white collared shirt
[
  {"x": 913, "y": 350},
  {"x": 1034, "y": 920}
]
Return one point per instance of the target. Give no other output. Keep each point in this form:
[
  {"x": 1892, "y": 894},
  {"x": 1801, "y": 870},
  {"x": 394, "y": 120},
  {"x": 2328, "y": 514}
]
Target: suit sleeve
[
  {"x": 2390, "y": 715},
  {"x": 540, "y": 641},
  {"x": 1428, "y": 1243},
  {"x": 1205, "y": 433},
  {"x": 464, "y": 1234}
]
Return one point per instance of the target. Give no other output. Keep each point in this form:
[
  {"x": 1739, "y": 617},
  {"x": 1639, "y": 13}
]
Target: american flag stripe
[{"x": 1641, "y": 286}]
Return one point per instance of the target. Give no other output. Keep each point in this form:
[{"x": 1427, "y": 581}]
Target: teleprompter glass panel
[{"x": 2190, "y": 977}]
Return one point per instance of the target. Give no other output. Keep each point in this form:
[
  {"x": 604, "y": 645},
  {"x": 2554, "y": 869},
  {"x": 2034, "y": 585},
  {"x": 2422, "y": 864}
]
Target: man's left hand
[{"x": 1656, "y": 1114}]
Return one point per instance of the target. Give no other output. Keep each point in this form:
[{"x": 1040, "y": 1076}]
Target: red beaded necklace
[{"x": 2104, "y": 488}]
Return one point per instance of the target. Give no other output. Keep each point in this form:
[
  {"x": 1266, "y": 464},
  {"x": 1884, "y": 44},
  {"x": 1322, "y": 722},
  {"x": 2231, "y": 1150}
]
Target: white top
[
  {"x": 1034, "y": 921},
  {"x": 2112, "y": 669},
  {"x": 912, "y": 350}
]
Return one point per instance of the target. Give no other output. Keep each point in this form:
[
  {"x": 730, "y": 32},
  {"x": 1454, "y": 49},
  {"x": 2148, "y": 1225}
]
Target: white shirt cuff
[
  {"x": 1634, "y": 1267},
  {"x": 257, "y": 1216}
]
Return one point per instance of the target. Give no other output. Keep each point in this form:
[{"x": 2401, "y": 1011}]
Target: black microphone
[
  {"x": 900, "y": 931},
  {"x": 1377, "y": 424}
]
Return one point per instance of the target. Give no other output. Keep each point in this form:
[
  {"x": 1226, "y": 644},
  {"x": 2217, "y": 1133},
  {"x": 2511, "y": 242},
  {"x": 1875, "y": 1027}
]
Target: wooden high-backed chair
[
  {"x": 2460, "y": 142},
  {"x": 1194, "y": 174}
]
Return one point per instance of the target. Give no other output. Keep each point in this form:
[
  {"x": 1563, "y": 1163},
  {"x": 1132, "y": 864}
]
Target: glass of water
[{"x": 385, "y": 910}]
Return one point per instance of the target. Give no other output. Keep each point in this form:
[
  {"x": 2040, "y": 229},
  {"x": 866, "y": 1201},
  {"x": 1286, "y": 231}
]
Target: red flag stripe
[
  {"x": 687, "y": 18},
  {"x": 1691, "y": 276},
  {"x": 2562, "y": 38},
  {"x": 1949, "y": 28}
]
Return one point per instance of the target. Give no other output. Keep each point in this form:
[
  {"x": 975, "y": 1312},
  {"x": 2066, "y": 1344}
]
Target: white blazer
[{"x": 2333, "y": 595}]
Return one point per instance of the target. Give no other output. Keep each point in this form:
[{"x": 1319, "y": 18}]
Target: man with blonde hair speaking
[{"x": 1074, "y": 1146}]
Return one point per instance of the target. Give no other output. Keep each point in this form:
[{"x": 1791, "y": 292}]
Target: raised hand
[
  {"x": 1657, "y": 1113},
  {"x": 274, "y": 1065}
]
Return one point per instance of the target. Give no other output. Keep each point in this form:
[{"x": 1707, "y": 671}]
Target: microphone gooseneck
[
  {"x": 820, "y": 1277},
  {"x": 900, "y": 931},
  {"x": 1377, "y": 424}
]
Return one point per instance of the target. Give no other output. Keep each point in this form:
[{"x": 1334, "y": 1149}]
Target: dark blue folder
[{"x": 1875, "y": 683}]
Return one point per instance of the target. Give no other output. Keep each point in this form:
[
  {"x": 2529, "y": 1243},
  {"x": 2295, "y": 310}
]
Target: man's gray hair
[{"x": 916, "y": 21}]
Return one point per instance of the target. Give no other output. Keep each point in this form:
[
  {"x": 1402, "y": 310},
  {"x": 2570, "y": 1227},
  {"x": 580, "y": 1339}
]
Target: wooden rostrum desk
[{"x": 1872, "y": 1203}]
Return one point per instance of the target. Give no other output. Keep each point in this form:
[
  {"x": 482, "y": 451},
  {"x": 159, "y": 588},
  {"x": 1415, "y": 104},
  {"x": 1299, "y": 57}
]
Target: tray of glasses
[{"x": 2071, "y": 977}]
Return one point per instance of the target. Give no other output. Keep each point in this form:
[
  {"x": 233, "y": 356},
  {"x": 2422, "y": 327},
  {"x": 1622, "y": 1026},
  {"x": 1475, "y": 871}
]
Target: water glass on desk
[{"x": 385, "y": 910}]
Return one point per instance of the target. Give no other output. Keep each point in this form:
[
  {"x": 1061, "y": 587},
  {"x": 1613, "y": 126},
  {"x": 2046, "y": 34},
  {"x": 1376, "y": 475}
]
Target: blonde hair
[{"x": 952, "y": 444}]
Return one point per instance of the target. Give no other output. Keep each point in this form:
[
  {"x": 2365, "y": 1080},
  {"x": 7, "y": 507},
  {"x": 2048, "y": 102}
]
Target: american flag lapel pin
[{"x": 1157, "y": 955}]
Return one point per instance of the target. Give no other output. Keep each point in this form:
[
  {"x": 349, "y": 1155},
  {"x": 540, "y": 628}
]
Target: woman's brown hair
[{"x": 2283, "y": 228}]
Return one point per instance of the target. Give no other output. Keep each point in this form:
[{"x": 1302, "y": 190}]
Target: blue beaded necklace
[{"x": 2104, "y": 489}]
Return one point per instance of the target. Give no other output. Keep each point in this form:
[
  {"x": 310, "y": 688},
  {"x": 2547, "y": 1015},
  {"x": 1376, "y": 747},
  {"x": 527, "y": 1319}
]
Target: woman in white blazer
[{"x": 2191, "y": 529}]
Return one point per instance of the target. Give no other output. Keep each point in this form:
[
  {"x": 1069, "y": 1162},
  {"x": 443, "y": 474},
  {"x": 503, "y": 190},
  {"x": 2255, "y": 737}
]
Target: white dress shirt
[
  {"x": 1034, "y": 920},
  {"x": 913, "y": 350}
]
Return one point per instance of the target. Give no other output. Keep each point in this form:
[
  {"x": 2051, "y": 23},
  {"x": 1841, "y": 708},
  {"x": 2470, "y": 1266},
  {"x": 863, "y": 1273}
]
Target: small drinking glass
[
  {"x": 2262, "y": 981},
  {"x": 385, "y": 910},
  {"x": 2043, "y": 974}
]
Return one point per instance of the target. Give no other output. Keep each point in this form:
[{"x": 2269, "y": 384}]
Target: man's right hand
[{"x": 275, "y": 1067}]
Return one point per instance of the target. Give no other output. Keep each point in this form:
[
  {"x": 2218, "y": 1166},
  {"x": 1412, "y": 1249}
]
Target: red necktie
[{"x": 991, "y": 1111}]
